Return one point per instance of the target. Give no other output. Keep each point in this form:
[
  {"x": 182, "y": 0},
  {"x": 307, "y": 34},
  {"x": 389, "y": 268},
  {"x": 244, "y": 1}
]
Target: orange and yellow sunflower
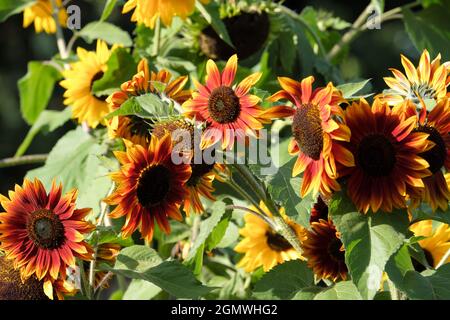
[
  {"x": 43, "y": 233},
  {"x": 41, "y": 13}
]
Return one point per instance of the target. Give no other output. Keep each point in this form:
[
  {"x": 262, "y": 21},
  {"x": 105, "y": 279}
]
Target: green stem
[
  {"x": 60, "y": 42},
  {"x": 24, "y": 160},
  {"x": 157, "y": 37}
]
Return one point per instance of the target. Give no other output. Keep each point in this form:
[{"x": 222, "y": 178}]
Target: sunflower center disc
[
  {"x": 45, "y": 229},
  {"x": 153, "y": 185},
  {"x": 277, "y": 242},
  {"x": 307, "y": 130},
  {"x": 422, "y": 91},
  {"x": 376, "y": 155},
  {"x": 198, "y": 171},
  {"x": 139, "y": 127},
  {"x": 436, "y": 155},
  {"x": 334, "y": 250},
  {"x": 223, "y": 105},
  {"x": 96, "y": 77}
]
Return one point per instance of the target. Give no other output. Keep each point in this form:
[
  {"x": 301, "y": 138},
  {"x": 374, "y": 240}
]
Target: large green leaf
[
  {"x": 139, "y": 289},
  {"x": 344, "y": 290},
  {"x": 147, "y": 106},
  {"x": 350, "y": 89},
  {"x": 369, "y": 241},
  {"x": 428, "y": 285},
  {"x": 36, "y": 89},
  {"x": 107, "y": 32},
  {"x": 11, "y": 7},
  {"x": 398, "y": 265}
]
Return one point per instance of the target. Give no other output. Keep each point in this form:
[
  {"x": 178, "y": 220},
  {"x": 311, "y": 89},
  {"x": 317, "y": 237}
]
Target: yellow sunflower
[
  {"x": 78, "y": 82},
  {"x": 41, "y": 14},
  {"x": 263, "y": 246}
]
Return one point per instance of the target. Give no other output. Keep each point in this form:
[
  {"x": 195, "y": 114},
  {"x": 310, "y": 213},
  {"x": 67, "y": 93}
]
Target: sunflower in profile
[
  {"x": 437, "y": 241},
  {"x": 106, "y": 254},
  {"x": 263, "y": 246},
  {"x": 149, "y": 187},
  {"x": 387, "y": 156},
  {"x": 229, "y": 112},
  {"x": 427, "y": 81},
  {"x": 41, "y": 13},
  {"x": 43, "y": 233},
  {"x": 315, "y": 130},
  {"x": 134, "y": 128},
  {"x": 78, "y": 82},
  {"x": 148, "y": 11}
]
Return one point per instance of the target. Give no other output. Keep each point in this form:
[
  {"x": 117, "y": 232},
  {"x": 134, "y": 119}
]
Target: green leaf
[
  {"x": 107, "y": 32},
  {"x": 230, "y": 237},
  {"x": 139, "y": 289},
  {"x": 283, "y": 281},
  {"x": 147, "y": 106},
  {"x": 369, "y": 240},
  {"x": 431, "y": 286},
  {"x": 11, "y": 7},
  {"x": 135, "y": 260},
  {"x": 344, "y": 290},
  {"x": 108, "y": 235},
  {"x": 36, "y": 89},
  {"x": 398, "y": 265},
  {"x": 211, "y": 14},
  {"x": 424, "y": 212},
  {"x": 378, "y": 5},
  {"x": 350, "y": 89},
  {"x": 108, "y": 9}
]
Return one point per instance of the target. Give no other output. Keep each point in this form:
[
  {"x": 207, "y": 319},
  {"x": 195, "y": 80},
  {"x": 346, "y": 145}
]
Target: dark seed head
[
  {"x": 223, "y": 105},
  {"x": 153, "y": 185},
  {"x": 45, "y": 229},
  {"x": 436, "y": 155},
  {"x": 307, "y": 130},
  {"x": 376, "y": 155},
  {"x": 277, "y": 242}
]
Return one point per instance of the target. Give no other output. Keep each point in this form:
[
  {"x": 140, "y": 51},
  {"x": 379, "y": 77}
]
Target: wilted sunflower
[
  {"x": 387, "y": 156},
  {"x": 134, "y": 128},
  {"x": 148, "y": 11},
  {"x": 437, "y": 241},
  {"x": 43, "y": 233},
  {"x": 428, "y": 81},
  {"x": 41, "y": 13},
  {"x": 262, "y": 245},
  {"x": 315, "y": 131},
  {"x": 149, "y": 186},
  {"x": 78, "y": 82},
  {"x": 229, "y": 112}
]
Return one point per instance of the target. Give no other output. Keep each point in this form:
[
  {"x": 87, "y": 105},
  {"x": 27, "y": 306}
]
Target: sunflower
[
  {"x": 324, "y": 251},
  {"x": 387, "y": 156},
  {"x": 78, "y": 83},
  {"x": 148, "y": 11},
  {"x": 43, "y": 233},
  {"x": 229, "y": 112},
  {"x": 315, "y": 130},
  {"x": 319, "y": 211},
  {"x": 263, "y": 246},
  {"x": 134, "y": 128},
  {"x": 106, "y": 254},
  {"x": 428, "y": 81},
  {"x": 149, "y": 186},
  {"x": 41, "y": 13},
  {"x": 437, "y": 241}
]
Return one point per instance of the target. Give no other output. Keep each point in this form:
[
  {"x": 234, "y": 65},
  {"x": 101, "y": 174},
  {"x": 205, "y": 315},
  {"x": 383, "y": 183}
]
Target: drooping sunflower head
[
  {"x": 79, "y": 81},
  {"x": 41, "y": 13},
  {"x": 316, "y": 126},
  {"x": 263, "y": 246},
  {"x": 106, "y": 254}
]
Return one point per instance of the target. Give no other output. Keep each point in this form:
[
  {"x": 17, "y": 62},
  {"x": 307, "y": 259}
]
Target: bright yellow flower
[{"x": 41, "y": 14}]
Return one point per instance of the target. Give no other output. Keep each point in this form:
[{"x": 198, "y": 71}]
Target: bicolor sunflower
[
  {"x": 148, "y": 11},
  {"x": 134, "y": 128},
  {"x": 149, "y": 187},
  {"x": 428, "y": 81},
  {"x": 41, "y": 13},
  {"x": 229, "y": 112},
  {"x": 79, "y": 80},
  {"x": 387, "y": 152},
  {"x": 43, "y": 233},
  {"x": 263, "y": 246},
  {"x": 316, "y": 128}
]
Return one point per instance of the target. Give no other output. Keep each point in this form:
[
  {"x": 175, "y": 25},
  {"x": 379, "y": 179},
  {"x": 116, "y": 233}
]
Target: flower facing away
[
  {"x": 79, "y": 80},
  {"x": 230, "y": 112},
  {"x": 43, "y": 233},
  {"x": 148, "y": 11},
  {"x": 134, "y": 128},
  {"x": 41, "y": 13},
  {"x": 106, "y": 254},
  {"x": 387, "y": 156},
  {"x": 264, "y": 247},
  {"x": 149, "y": 187},
  {"x": 427, "y": 81},
  {"x": 315, "y": 130}
]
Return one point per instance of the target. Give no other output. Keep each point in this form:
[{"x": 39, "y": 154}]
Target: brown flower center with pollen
[
  {"x": 153, "y": 185},
  {"x": 307, "y": 130},
  {"x": 376, "y": 155},
  {"x": 45, "y": 229},
  {"x": 277, "y": 242},
  {"x": 334, "y": 250},
  {"x": 436, "y": 155},
  {"x": 223, "y": 105}
]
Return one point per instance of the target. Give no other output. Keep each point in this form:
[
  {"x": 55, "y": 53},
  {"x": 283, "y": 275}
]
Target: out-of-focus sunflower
[
  {"x": 315, "y": 131},
  {"x": 43, "y": 233},
  {"x": 134, "y": 128},
  {"x": 229, "y": 112},
  {"x": 324, "y": 251},
  {"x": 437, "y": 241},
  {"x": 41, "y": 13},
  {"x": 387, "y": 156},
  {"x": 428, "y": 81},
  {"x": 149, "y": 187},
  {"x": 78, "y": 82},
  {"x": 262, "y": 245},
  {"x": 148, "y": 11},
  {"x": 106, "y": 254},
  {"x": 319, "y": 211}
]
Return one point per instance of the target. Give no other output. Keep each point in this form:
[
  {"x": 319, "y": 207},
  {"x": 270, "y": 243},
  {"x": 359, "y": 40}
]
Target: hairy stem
[{"x": 23, "y": 160}]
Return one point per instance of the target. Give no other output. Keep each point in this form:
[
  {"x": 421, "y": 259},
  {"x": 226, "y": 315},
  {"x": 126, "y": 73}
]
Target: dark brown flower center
[
  {"x": 153, "y": 185},
  {"x": 179, "y": 129},
  {"x": 45, "y": 229},
  {"x": 277, "y": 242},
  {"x": 198, "y": 171},
  {"x": 376, "y": 155},
  {"x": 436, "y": 155},
  {"x": 334, "y": 250},
  {"x": 223, "y": 105},
  {"x": 139, "y": 127},
  {"x": 96, "y": 77},
  {"x": 307, "y": 130}
]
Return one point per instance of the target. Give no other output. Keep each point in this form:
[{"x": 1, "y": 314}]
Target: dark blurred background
[{"x": 370, "y": 57}]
